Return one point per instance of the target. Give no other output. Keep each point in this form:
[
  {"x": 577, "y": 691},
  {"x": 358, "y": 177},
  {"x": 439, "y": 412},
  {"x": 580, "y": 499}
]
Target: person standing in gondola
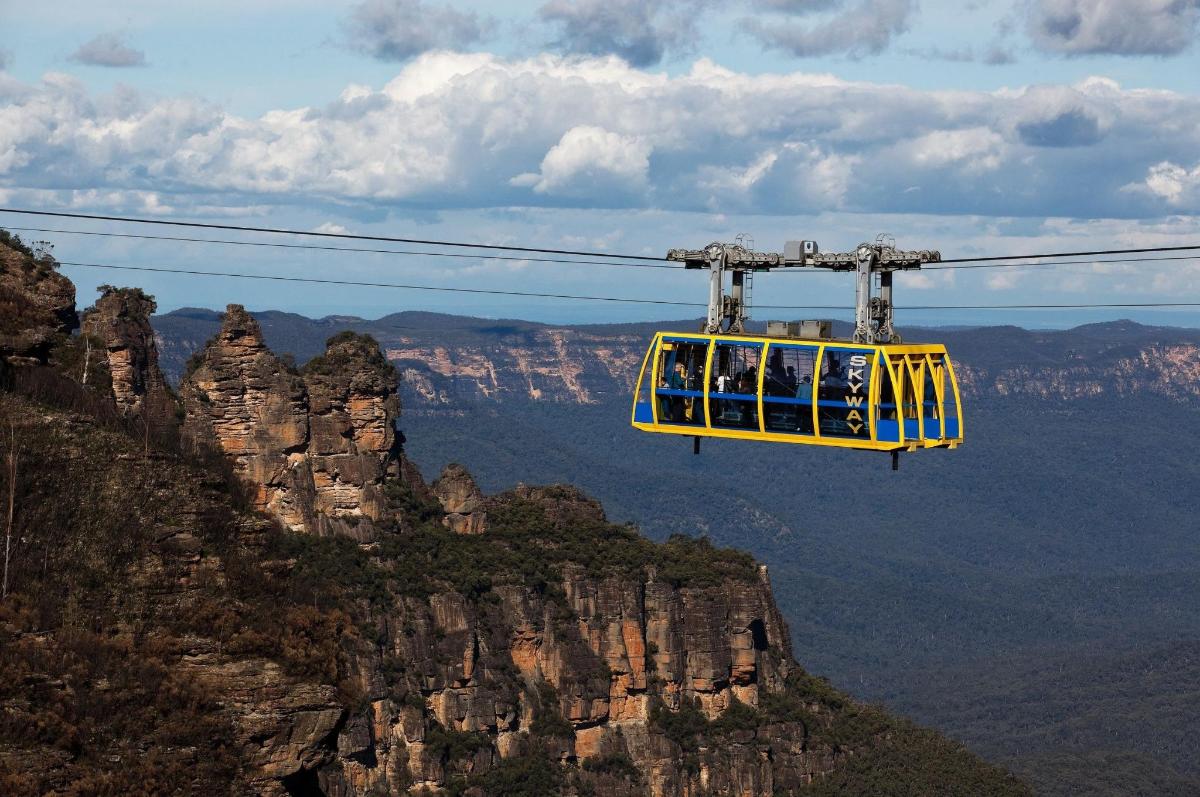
[{"x": 678, "y": 381}]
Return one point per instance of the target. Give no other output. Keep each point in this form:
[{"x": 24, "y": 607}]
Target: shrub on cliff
[
  {"x": 618, "y": 765},
  {"x": 13, "y": 241},
  {"x": 348, "y": 346},
  {"x": 548, "y": 720},
  {"x": 683, "y": 726},
  {"x": 530, "y": 773},
  {"x": 449, "y": 745}
]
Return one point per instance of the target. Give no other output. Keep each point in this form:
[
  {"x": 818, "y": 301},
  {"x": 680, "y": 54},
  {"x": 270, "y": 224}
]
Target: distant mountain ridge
[{"x": 446, "y": 359}]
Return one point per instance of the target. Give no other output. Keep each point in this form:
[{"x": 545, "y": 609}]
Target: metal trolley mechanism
[{"x": 797, "y": 384}]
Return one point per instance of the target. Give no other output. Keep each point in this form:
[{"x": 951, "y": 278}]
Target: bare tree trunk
[
  {"x": 12, "y": 497},
  {"x": 87, "y": 357}
]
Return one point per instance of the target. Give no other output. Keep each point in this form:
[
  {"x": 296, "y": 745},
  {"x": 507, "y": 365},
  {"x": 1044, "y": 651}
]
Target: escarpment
[{"x": 163, "y": 634}]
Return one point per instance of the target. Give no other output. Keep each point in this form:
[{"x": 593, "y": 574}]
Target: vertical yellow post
[
  {"x": 762, "y": 378},
  {"x": 654, "y": 377},
  {"x": 898, "y": 375},
  {"x": 712, "y": 347},
  {"x": 637, "y": 386},
  {"x": 816, "y": 391},
  {"x": 873, "y": 396},
  {"x": 918, "y": 377},
  {"x": 958, "y": 410},
  {"x": 935, "y": 371}
]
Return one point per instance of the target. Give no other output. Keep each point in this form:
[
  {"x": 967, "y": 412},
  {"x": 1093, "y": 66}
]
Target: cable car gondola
[{"x": 796, "y": 384}]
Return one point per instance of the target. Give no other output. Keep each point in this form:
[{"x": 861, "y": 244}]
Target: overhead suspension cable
[
  {"x": 625, "y": 300},
  {"x": 536, "y": 250},
  {"x": 320, "y": 281},
  {"x": 353, "y": 249},
  {"x": 517, "y": 259},
  {"x": 310, "y": 233},
  {"x": 1098, "y": 252},
  {"x": 939, "y": 267}
]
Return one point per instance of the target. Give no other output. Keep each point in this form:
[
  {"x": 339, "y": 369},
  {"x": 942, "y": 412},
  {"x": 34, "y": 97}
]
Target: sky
[{"x": 624, "y": 126}]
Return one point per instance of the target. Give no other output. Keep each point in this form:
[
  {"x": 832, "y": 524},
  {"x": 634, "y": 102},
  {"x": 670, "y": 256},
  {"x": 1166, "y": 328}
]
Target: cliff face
[
  {"x": 163, "y": 634},
  {"x": 315, "y": 446},
  {"x": 545, "y": 365},
  {"x": 459, "y": 360},
  {"x": 120, "y": 319}
]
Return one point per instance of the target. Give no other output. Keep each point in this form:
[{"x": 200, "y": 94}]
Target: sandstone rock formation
[
  {"x": 242, "y": 398},
  {"x": 461, "y": 500},
  {"x": 554, "y": 650},
  {"x": 316, "y": 446},
  {"x": 121, "y": 320},
  {"x": 352, "y": 407},
  {"x": 37, "y": 304}
]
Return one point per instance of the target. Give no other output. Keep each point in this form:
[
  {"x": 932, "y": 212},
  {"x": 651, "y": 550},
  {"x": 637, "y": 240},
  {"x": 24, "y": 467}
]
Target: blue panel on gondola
[
  {"x": 664, "y": 391},
  {"x": 911, "y": 429},
  {"x": 643, "y": 413},
  {"x": 952, "y": 427},
  {"x": 889, "y": 431}
]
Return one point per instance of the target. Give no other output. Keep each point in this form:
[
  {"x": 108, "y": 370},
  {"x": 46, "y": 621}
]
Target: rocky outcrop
[
  {"x": 120, "y": 319},
  {"x": 243, "y": 399},
  {"x": 37, "y": 304},
  {"x": 352, "y": 411},
  {"x": 283, "y": 726},
  {"x": 461, "y": 500},
  {"x": 315, "y": 446}
]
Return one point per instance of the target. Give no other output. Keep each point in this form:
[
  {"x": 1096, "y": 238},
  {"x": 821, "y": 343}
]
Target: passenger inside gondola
[
  {"x": 835, "y": 377},
  {"x": 680, "y": 373},
  {"x": 733, "y": 396},
  {"x": 678, "y": 403}
]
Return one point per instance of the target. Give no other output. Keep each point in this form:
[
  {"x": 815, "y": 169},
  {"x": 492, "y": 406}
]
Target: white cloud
[
  {"x": 1177, "y": 185},
  {"x": 975, "y": 149},
  {"x": 588, "y": 158},
  {"x": 331, "y": 228},
  {"x": 107, "y": 49},
  {"x": 1003, "y": 280},
  {"x": 799, "y": 174},
  {"x": 458, "y": 130},
  {"x": 1118, "y": 27}
]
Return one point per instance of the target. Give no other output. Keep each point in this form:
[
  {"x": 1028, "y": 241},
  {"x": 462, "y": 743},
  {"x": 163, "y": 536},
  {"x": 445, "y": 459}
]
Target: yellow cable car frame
[{"x": 911, "y": 398}]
